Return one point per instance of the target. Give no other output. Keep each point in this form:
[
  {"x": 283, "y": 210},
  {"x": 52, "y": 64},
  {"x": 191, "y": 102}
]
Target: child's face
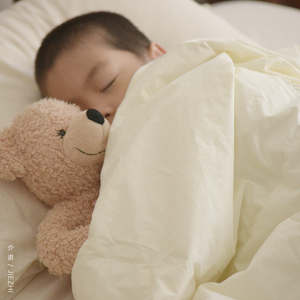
[{"x": 94, "y": 75}]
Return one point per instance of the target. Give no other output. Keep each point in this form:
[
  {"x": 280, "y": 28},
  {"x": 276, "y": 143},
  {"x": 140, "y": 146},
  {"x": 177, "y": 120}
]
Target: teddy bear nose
[{"x": 95, "y": 116}]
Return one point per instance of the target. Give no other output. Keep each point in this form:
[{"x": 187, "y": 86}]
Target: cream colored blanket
[{"x": 200, "y": 193}]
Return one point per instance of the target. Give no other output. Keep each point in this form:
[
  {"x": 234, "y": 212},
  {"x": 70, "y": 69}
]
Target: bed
[{"x": 236, "y": 234}]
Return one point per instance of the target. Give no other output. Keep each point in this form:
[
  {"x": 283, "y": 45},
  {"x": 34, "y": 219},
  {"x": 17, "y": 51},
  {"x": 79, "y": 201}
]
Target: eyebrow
[{"x": 95, "y": 69}]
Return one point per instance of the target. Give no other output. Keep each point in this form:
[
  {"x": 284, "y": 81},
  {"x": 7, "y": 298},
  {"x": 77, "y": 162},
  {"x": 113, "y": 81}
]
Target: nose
[{"x": 95, "y": 116}]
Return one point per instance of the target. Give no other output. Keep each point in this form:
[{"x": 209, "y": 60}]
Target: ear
[
  {"x": 10, "y": 162},
  {"x": 155, "y": 51}
]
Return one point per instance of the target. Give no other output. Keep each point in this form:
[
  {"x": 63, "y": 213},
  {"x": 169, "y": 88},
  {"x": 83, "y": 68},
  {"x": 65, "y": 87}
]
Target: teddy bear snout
[
  {"x": 95, "y": 116},
  {"x": 85, "y": 139}
]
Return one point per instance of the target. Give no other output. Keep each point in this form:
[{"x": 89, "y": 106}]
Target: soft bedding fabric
[
  {"x": 200, "y": 186},
  {"x": 271, "y": 25}
]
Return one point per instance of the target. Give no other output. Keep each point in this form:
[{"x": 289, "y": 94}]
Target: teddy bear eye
[{"x": 61, "y": 133}]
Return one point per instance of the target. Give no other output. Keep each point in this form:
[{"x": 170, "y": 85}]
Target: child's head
[{"x": 89, "y": 60}]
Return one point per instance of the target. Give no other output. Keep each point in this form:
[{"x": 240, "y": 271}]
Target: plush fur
[{"x": 58, "y": 152}]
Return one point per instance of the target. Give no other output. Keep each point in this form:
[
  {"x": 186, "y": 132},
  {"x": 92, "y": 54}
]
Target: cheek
[
  {"x": 119, "y": 94},
  {"x": 86, "y": 99},
  {"x": 83, "y": 104}
]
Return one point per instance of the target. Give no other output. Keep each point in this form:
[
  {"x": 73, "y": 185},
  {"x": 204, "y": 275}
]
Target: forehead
[
  {"x": 75, "y": 62},
  {"x": 91, "y": 43},
  {"x": 96, "y": 41}
]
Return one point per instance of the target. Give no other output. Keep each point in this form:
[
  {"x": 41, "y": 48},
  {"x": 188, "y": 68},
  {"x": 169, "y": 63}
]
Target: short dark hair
[{"x": 117, "y": 31}]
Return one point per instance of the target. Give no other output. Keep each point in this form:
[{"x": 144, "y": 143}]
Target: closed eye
[{"x": 109, "y": 85}]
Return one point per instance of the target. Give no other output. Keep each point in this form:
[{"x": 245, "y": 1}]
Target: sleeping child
[{"x": 89, "y": 60}]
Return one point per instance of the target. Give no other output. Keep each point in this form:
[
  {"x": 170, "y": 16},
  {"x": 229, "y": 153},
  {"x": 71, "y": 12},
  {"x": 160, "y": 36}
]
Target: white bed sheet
[{"x": 201, "y": 181}]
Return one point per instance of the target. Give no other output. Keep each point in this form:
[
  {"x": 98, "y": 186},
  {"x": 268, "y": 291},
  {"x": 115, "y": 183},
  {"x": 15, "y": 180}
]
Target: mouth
[{"x": 91, "y": 154}]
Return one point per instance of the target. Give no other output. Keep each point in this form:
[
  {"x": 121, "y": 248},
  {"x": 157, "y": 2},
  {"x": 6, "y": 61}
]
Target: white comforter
[{"x": 200, "y": 193}]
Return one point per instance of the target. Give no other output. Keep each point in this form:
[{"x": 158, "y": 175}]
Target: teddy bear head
[{"x": 55, "y": 149}]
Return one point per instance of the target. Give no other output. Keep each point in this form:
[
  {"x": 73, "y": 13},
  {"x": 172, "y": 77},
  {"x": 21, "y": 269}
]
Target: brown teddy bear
[{"x": 57, "y": 151}]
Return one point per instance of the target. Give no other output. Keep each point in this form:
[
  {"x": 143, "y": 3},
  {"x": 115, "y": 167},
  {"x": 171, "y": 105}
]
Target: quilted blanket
[{"x": 200, "y": 189}]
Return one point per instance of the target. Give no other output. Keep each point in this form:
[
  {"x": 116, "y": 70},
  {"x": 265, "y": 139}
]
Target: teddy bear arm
[{"x": 57, "y": 243}]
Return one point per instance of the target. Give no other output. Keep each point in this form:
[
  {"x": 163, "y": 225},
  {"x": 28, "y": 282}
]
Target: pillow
[
  {"x": 21, "y": 214},
  {"x": 276, "y": 21},
  {"x": 22, "y": 28}
]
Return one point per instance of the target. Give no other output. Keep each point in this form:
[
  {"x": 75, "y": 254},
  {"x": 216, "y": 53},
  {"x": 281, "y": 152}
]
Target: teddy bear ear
[{"x": 10, "y": 162}]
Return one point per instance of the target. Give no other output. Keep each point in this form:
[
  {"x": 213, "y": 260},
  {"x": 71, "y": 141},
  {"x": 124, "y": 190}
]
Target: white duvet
[{"x": 200, "y": 194}]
